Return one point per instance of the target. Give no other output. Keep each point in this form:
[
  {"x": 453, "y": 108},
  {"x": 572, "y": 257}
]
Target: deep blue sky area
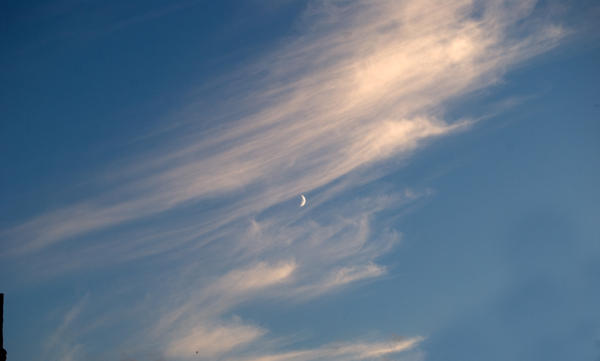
[{"x": 153, "y": 153}]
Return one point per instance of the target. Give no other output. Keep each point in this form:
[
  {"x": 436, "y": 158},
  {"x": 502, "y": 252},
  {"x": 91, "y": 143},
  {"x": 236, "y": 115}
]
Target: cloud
[
  {"x": 210, "y": 301},
  {"x": 209, "y": 342},
  {"x": 255, "y": 278},
  {"x": 62, "y": 343},
  {"x": 344, "y": 95},
  {"x": 335, "y": 279},
  {"x": 345, "y": 275},
  {"x": 354, "y": 351},
  {"x": 364, "y": 83}
]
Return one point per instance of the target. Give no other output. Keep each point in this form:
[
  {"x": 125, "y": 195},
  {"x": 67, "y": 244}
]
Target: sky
[{"x": 155, "y": 154}]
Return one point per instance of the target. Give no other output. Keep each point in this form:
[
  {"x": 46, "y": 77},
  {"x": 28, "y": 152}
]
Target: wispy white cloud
[
  {"x": 348, "y": 93},
  {"x": 354, "y": 351},
  {"x": 61, "y": 343},
  {"x": 255, "y": 278},
  {"x": 344, "y": 275},
  {"x": 366, "y": 82},
  {"x": 212, "y": 300},
  {"x": 214, "y": 340}
]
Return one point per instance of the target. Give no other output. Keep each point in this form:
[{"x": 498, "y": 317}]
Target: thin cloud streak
[
  {"x": 355, "y": 351},
  {"x": 61, "y": 343}
]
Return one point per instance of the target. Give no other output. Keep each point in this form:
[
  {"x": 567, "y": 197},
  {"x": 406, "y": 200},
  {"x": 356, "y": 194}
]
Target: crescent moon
[{"x": 302, "y": 200}]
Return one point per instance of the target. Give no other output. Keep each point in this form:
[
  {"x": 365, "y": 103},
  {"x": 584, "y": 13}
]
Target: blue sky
[{"x": 154, "y": 154}]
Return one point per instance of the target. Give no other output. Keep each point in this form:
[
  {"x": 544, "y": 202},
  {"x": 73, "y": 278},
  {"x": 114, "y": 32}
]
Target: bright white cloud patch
[{"x": 365, "y": 82}]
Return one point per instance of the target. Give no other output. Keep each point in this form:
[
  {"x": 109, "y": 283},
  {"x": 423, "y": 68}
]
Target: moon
[{"x": 302, "y": 200}]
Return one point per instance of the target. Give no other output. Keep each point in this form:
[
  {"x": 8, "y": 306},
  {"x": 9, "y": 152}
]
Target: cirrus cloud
[{"x": 365, "y": 82}]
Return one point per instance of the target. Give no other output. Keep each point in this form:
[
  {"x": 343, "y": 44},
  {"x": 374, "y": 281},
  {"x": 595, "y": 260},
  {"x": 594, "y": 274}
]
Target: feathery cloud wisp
[{"x": 355, "y": 351}]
